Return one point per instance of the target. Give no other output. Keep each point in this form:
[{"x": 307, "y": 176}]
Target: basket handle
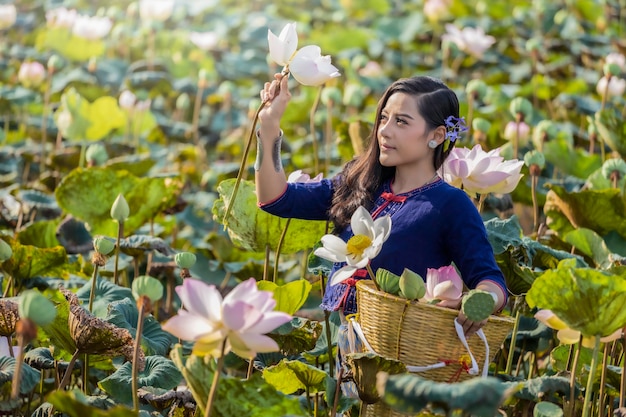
[{"x": 461, "y": 335}]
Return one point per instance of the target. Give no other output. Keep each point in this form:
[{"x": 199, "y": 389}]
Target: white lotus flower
[
  {"x": 617, "y": 59},
  {"x": 470, "y": 40},
  {"x": 156, "y": 10},
  {"x": 127, "y": 100},
  {"x": 61, "y": 17},
  {"x": 368, "y": 239},
  {"x": 8, "y": 15},
  {"x": 309, "y": 67},
  {"x": 204, "y": 40},
  {"x": 283, "y": 46},
  {"x": 299, "y": 176},
  {"x": 91, "y": 28},
  {"x": 616, "y": 86}
]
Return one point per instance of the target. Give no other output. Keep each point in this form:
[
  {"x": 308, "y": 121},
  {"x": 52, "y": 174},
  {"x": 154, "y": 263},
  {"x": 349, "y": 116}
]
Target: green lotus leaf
[
  {"x": 251, "y": 228},
  {"x": 18, "y": 96},
  {"x": 40, "y": 358},
  {"x": 291, "y": 376},
  {"x": 137, "y": 245},
  {"x": 547, "y": 409},
  {"x": 147, "y": 197},
  {"x": 138, "y": 165},
  {"x": 590, "y": 301},
  {"x": 612, "y": 130},
  {"x": 75, "y": 404},
  {"x": 570, "y": 160},
  {"x": 560, "y": 359},
  {"x": 591, "y": 244},
  {"x": 29, "y": 377},
  {"x": 255, "y": 397},
  {"x": 543, "y": 386},
  {"x": 320, "y": 351},
  {"x": 30, "y": 261},
  {"x": 477, "y": 397},
  {"x": 289, "y": 297},
  {"x": 159, "y": 372},
  {"x": 69, "y": 46},
  {"x": 154, "y": 340},
  {"x": 297, "y": 335},
  {"x": 365, "y": 367},
  {"x": 41, "y": 234},
  {"x": 106, "y": 294},
  {"x": 599, "y": 210}
]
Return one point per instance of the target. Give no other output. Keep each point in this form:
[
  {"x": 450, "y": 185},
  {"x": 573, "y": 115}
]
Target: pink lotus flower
[
  {"x": 617, "y": 59},
  {"x": 283, "y": 46},
  {"x": 521, "y": 129},
  {"x": 616, "y": 86},
  {"x": 31, "y": 74},
  {"x": 436, "y": 10},
  {"x": 444, "y": 284},
  {"x": 91, "y": 28},
  {"x": 472, "y": 41},
  {"x": 241, "y": 319},
  {"x": 569, "y": 336},
  {"x": 61, "y": 18},
  {"x": 480, "y": 172},
  {"x": 8, "y": 15},
  {"x": 299, "y": 176}
]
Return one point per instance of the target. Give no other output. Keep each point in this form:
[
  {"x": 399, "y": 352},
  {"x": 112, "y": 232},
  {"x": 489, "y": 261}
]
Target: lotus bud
[
  {"x": 614, "y": 169},
  {"x": 92, "y": 65},
  {"x": 183, "y": 102},
  {"x": 96, "y": 154},
  {"x": 478, "y": 305},
  {"x": 353, "y": 95},
  {"x": 147, "y": 286},
  {"x": 612, "y": 69},
  {"x": 477, "y": 88},
  {"x": 185, "y": 259},
  {"x": 481, "y": 125},
  {"x": 330, "y": 96},
  {"x": 226, "y": 88},
  {"x": 520, "y": 108},
  {"x": 5, "y": 251},
  {"x": 514, "y": 130},
  {"x": 203, "y": 79},
  {"x": 127, "y": 100},
  {"x": 411, "y": 285},
  {"x": 120, "y": 210},
  {"x": 31, "y": 74},
  {"x": 55, "y": 63},
  {"x": 34, "y": 306},
  {"x": 533, "y": 45},
  {"x": 535, "y": 161},
  {"x": 103, "y": 245},
  {"x": 387, "y": 281}
]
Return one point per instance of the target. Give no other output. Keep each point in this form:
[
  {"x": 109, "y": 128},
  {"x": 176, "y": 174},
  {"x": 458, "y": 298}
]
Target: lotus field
[{"x": 140, "y": 278}]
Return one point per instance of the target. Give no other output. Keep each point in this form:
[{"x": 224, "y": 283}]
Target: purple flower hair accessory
[{"x": 454, "y": 127}]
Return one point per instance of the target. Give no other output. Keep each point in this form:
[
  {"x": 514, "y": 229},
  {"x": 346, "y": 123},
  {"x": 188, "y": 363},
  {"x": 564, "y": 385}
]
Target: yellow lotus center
[{"x": 357, "y": 244}]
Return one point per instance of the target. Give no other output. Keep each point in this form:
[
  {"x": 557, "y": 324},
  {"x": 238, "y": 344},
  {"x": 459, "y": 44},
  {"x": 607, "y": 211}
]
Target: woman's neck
[{"x": 406, "y": 183}]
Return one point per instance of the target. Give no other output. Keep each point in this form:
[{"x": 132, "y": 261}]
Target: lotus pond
[{"x": 128, "y": 209}]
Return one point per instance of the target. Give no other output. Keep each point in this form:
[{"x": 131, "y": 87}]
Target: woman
[{"x": 434, "y": 224}]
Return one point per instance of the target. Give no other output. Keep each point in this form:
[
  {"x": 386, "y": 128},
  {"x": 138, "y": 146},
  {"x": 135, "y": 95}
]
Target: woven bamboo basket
[{"x": 420, "y": 334}]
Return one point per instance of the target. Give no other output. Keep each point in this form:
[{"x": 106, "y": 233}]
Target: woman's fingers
[{"x": 470, "y": 327}]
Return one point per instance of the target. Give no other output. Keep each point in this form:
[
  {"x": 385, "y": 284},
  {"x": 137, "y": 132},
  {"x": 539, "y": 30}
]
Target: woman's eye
[{"x": 401, "y": 121}]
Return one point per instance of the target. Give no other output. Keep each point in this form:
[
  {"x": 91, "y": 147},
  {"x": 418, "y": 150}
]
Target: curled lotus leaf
[
  {"x": 8, "y": 316},
  {"x": 95, "y": 336},
  {"x": 365, "y": 367}
]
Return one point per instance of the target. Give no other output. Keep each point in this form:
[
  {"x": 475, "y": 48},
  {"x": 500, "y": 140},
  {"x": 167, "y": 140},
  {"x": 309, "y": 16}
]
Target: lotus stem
[
  {"x": 622, "y": 389},
  {"x": 481, "y": 202},
  {"x": 68, "y": 371},
  {"x": 242, "y": 165},
  {"x": 592, "y": 373},
  {"x": 373, "y": 275},
  {"x": 534, "y": 180},
  {"x": 509, "y": 359},
  {"x": 19, "y": 362},
  {"x": 141, "y": 303},
  {"x": 572, "y": 381},
  {"x": 250, "y": 368},
  {"x": 120, "y": 233},
  {"x": 278, "y": 249},
  {"x": 333, "y": 412},
  {"x": 10, "y": 288},
  {"x": 328, "y": 135},
  {"x": 92, "y": 293},
  {"x": 331, "y": 360},
  {"x": 605, "y": 357},
  {"x": 44, "y": 115},
  {"x": 316, "y": 103},
  {"x": 470, "y": 114},
  {"x": 266, "y": 267},
  {"x": 216, "y": 380}
]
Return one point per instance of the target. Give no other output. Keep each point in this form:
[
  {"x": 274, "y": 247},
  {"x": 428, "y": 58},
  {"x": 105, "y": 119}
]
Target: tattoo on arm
[{"x": 278, "y": 164}]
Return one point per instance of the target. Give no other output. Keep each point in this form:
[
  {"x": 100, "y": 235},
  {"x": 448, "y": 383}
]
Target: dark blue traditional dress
[{"x": 432, "y": 226}]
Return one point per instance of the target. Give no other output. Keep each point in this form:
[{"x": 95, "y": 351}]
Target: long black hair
[{"x": 361, "y": 178}]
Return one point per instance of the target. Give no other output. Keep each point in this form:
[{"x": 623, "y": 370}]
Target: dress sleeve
[
  {"x": 468, "y": 244},
  {"x": 302, "y": 200}
]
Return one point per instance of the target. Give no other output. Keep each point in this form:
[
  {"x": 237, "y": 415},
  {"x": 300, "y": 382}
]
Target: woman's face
[{"x": 403, "y": 134}]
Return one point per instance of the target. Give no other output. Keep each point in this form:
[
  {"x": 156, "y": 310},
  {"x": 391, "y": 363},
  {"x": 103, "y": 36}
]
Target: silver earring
[{"x": 432, "y": 144}]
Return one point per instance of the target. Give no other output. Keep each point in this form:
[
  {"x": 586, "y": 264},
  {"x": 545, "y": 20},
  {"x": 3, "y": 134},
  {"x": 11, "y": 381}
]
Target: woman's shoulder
[{"x": 452, "y": 198}]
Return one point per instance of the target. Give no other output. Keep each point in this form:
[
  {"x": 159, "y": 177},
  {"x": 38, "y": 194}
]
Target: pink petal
[
  {"x": 269, "y": 322},
  {"x": 201, "y": 299},
  {"x": 446, "y": 291},
  {"x": 239, "y": 315},
  {"x": 188, "y": 327},
  {"x": 255, "y": 343}
]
